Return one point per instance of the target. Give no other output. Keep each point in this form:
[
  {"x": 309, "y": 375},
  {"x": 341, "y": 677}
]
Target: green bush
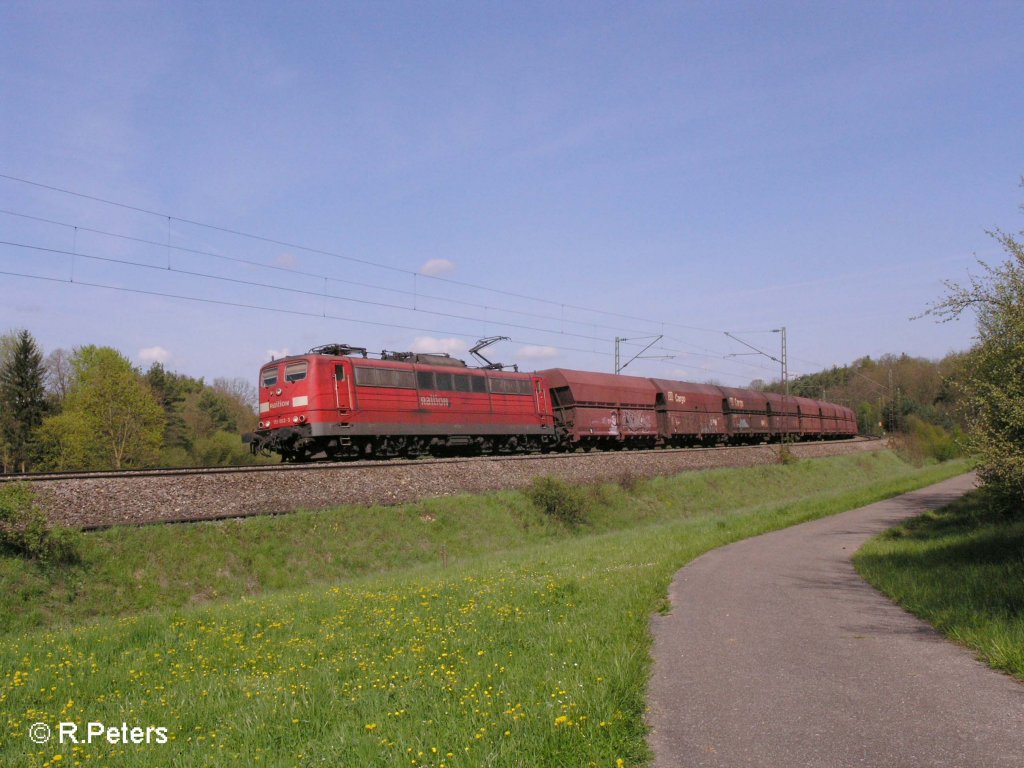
[
  {"x": 175, "y": 456},
  {"x": 25, "y": 530},
  {"x": 559, "y": 499},
  {"x": 921, "y": 441}
]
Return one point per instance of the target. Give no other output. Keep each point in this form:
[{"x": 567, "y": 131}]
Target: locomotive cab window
[
  {"x": 269, "y": 377},
  {"x": 295, "y": 371},
  {"x": 339, "y": 373},
  {"x": 510, "y": 386},
  {"x": 385, "y": 377}
]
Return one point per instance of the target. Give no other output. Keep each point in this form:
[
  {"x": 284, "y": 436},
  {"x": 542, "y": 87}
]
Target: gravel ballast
[{"x": 107, "y": 501}]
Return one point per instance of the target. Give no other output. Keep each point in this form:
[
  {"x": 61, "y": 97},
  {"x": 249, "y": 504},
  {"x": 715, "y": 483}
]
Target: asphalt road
[{"x": 777, "y": 654}]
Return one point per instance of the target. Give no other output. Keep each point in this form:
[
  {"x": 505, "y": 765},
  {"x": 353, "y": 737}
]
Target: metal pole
[
  {"x": 655, "y": 339},
  {"x": 785, "y": 366}
]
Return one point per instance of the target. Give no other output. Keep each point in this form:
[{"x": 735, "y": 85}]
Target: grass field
[
  {"x": 456, "y": 632},
  {"x": 961, "y": 569}
]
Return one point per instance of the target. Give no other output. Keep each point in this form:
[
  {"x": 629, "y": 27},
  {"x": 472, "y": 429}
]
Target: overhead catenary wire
[
  {"x": 244, "y": 305},
  {"x": 416, "y": 293},
  {"x": 354, "y": 259},
  {"x": 300, "y": 291},
  {"x": 320, "y": 294},
  {"x": 302, "y": 313}
]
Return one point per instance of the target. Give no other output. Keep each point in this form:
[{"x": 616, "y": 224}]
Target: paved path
[{"x": 777, "y": 654}]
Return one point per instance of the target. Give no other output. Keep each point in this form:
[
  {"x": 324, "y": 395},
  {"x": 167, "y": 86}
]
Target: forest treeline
[
  {"x": 895, "y": 394},
  {"x": 90, "y": 408}
]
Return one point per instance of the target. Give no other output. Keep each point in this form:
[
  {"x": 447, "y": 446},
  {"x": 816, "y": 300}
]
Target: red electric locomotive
[{"x": 335, "y": 402}]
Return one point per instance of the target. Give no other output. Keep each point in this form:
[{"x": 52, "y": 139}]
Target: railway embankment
[{"x": 96, "y": 502}]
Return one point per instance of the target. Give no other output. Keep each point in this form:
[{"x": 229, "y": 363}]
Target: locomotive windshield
[
  {"x": 295, "y": 371},
  {"x": 268, "y": 377}
]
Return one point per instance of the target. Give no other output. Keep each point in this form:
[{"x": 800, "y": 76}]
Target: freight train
[{"x": 336, "y": 402}]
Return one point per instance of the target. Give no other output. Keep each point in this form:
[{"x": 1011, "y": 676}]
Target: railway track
[
  {"x": 367, "y": 464},
  {"x": 104, "y": 499}
]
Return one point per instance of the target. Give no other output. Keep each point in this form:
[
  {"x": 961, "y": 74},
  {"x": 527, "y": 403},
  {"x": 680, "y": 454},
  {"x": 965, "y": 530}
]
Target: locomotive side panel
[
  {"x": 409, "y": 400},
  {"x": 385, "y": 398}
]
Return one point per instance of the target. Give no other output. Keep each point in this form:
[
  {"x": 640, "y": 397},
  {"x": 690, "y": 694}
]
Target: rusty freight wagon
[
  {"x": 690, "y": 414},
  {"x": 603, "y": 409}
]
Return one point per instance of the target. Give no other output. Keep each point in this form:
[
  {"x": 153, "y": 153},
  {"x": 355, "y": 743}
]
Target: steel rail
[{"x": 102, "y": 474}]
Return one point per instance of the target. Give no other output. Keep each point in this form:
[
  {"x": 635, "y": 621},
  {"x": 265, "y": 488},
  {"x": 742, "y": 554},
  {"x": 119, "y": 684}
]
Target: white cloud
[
  {"x": 154, "y": 355},
  {"x": 537, "y": 353},
  {"x": 436, "y": 267},
  {"x": 274, "y": 354},
  {"x": 286, "y": 260},
  {"x": 430, "y": 344}
]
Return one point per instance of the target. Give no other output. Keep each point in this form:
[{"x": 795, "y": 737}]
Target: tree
[
  {"x": 171, "y": 390},
  {"x": 993, "y": 373},
  {"x": 59, "y": 375},
  {"x": 23, "y": 399},
  {"x": 7, "y": 342},
  {"x": 242, "y": 390},
  {"x": 241, "y": 401},
  {"x": 111, "y": 418}
]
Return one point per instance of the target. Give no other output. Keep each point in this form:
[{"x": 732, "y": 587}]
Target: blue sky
[{"x": 572, "y": 171}]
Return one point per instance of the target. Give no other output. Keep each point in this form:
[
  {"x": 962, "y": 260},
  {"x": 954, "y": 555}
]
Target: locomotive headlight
[
  {"x": 302, "y": 419},
  {"x": 295, "y": 419}
]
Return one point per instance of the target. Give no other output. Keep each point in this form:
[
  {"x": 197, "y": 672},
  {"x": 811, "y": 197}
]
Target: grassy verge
[
  {"x": 124, "y": 571},
  {"x": 961, "y": 569},
  {"x": 523, "y": 645}
]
